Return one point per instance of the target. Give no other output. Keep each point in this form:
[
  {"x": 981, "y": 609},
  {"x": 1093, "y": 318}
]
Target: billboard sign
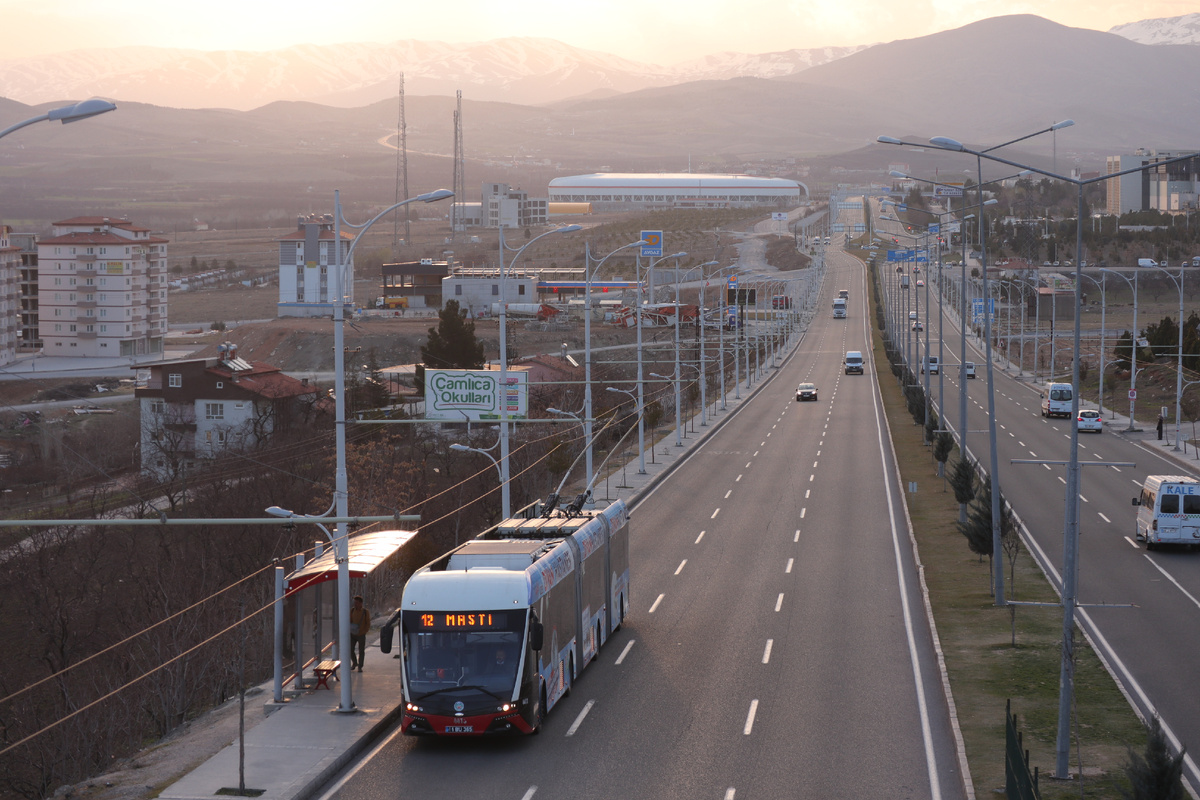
[
  {"x": 948, "y": 191},
  {"x": 457, "y": 395}
]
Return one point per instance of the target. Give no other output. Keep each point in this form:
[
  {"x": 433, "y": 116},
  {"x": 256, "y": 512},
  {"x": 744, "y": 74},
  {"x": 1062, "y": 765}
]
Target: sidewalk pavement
[{"x": 304, "y": 742}]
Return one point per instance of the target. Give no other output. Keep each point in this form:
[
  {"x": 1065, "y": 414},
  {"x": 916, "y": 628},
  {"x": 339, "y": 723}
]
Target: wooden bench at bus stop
[{"x": 323, "y": 670}]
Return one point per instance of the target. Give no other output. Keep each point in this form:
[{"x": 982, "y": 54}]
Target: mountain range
[
  {"x": 527, "y": 71},
  {"x": 984, "y": 83}
]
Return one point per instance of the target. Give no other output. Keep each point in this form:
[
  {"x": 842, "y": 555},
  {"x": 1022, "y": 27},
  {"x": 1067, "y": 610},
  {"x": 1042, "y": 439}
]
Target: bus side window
[
  {"x": 1170, "y": 504},
  {"x": 1191, "y": 504}
]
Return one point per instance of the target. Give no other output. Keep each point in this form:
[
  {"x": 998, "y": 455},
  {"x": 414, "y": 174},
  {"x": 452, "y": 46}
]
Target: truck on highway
[
  {"x": 494, "y": 633},
  {"x": 839, "y": 308},
  {"x": 1168, "y": 511}
]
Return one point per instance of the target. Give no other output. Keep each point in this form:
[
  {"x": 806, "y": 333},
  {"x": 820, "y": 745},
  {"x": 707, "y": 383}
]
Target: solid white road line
[
  {"x": 1171, "y": 578},
  {"x": 767, "y": 651},
  {"x": 779, "y": 602},
  {"x": 625, "y": 651},
  {"x": 750, "y": 718},
  {"x": 656, "y": 602},
  {"x": 579, "y": 720},
  {"x": 679, "y": 569}
]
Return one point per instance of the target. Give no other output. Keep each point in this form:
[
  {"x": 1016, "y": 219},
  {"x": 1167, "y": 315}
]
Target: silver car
[{"x": 1090, "y": 420}]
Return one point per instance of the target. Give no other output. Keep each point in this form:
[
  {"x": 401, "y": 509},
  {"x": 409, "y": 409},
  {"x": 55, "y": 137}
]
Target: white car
[
  {"x": 1090, "y": 420},
  {"x": 920, "y": 283},
  {"x": 969, "y": 368},
  {"x": 916, "y": 326}
]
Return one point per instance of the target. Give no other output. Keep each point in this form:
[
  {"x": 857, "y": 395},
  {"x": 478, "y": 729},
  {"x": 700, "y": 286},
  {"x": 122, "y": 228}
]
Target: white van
[
  {"x": 1056, "y": 400},
  {"x": 932, "y": 363},
  {"x": 1168, "y": 511},
  {"x": 1147, "y": 262},
  {"x": 854, "y": 362}
]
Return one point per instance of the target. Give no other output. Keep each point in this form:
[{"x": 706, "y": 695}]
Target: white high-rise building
[
  {"x": 102, "y": 289},
  {"x": 308, "y": 279}
]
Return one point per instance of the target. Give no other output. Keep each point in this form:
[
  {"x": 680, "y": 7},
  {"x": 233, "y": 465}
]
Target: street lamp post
[
  {"x": 341, "y": 542},
  {"x": 1133, "y": 345},
  {"x": 65, "y": 114},
  {"x": 505, "y": 488},
  {"x": 1103, "y": 313},
  {"x": 462, "y": 448},
  {"x": 1179, "y": 351},
  {"x": 587, "y": 340}
]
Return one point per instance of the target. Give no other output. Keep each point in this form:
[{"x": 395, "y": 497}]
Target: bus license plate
[{"x": 460, "y": 729}]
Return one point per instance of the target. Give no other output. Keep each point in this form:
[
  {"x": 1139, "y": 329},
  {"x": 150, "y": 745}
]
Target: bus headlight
[
  {"x": 506, "y": 707},
  {"x": 411, "y": 707}
]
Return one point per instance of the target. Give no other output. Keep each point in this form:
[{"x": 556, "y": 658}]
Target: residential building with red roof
[
  {"x": 102, "y": 289},
  {"x": 195, "y": 409}
]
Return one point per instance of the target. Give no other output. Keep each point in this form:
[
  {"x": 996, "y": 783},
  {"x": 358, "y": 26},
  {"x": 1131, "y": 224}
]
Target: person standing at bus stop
[
  {"x": 1159, "y": 427},
  {"x": 360, "y": 626}
]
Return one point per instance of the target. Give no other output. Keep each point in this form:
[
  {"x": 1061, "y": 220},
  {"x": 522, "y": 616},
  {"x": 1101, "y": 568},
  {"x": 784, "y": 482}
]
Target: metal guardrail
[{"x": 1019, "y": 782}]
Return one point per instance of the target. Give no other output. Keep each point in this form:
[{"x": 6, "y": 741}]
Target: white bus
[{"x": 494, "y": 633}]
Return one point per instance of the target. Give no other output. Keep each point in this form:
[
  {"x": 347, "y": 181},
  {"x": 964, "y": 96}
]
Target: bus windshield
[{"x": 444, "y": 650}]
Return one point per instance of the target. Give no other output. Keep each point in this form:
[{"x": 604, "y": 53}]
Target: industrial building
[
  {"x": 1163, "y": 187},
  {"x": 679, "y": 190}
]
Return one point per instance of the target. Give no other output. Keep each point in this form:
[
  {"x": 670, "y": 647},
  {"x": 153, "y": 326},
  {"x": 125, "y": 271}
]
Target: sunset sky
[{"x": 655, "y": 31}]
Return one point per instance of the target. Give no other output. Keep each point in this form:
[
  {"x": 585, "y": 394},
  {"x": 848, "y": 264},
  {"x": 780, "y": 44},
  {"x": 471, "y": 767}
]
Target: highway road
[
  {"x": 1151, "y": 647},
  {"x": 778, "y": 644}
]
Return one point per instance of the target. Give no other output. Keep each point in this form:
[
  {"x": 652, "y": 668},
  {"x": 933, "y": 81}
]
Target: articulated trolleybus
[{"x": 494, "y": 632}]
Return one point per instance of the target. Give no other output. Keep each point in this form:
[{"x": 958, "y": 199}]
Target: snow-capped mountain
[
  {"x": 1167, "y": 30},
  {"x": 520, "y": 70}
]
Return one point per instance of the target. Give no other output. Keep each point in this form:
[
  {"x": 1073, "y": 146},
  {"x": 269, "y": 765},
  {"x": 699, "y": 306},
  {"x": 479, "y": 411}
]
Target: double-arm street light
[
  {"x": 341, "y": 542},
  {"x": 1071, "y": 514},
  {"x": 72, "y": 113},
  {"x": 589, "y": 271}
]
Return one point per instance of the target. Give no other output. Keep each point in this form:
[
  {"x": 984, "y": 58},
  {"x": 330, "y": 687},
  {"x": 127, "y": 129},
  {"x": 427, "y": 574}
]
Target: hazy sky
[{"x": 656, "y": 31}]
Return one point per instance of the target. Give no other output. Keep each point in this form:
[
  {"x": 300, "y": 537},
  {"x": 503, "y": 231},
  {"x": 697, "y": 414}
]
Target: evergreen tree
[
  {"x": 962, "y": 481},
  {"x": 452, "y": 344},
  {"x": 978, "y": 526},
  {"x": 1157, "y": 775},
  {"x": 943, "y": 445}
]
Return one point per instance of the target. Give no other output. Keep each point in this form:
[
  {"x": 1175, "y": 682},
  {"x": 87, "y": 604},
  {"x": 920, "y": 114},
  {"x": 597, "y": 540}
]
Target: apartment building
[
  {"x": 308, "y": 273},
  {"x": 102, "y": 289},
  {"x": 10, "y": 296},
  {"x": 196, "y": 409}
]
